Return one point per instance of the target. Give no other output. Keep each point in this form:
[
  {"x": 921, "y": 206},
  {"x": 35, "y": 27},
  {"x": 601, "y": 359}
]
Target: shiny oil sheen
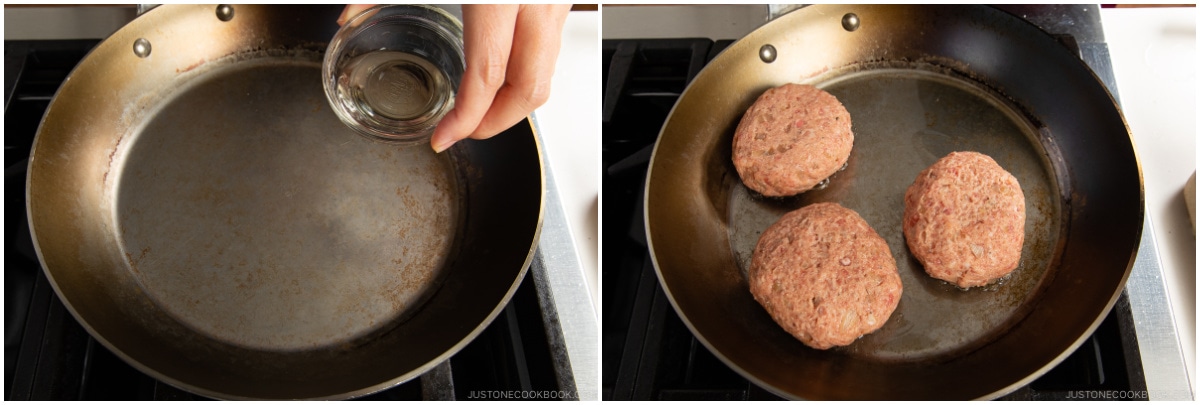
[
  {"x": 930, "y": 115},
  {"x": 919, "y": 82}
]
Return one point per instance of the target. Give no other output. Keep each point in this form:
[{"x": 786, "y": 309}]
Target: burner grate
[
  {"x": 650, "y": 353},
  {"x": 49, "y": 356}
]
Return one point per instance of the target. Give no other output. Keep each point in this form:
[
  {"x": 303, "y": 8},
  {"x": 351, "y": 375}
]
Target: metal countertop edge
[
  {"x": 1157, "y": 338},
  {"x": 1158, "y": 342},
  {"x": 1154, "y": 324},
  {"x": 563, "y": 294}
]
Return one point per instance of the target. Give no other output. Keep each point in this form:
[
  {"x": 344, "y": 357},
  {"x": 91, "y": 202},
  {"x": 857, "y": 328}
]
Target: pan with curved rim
[{"x": 919, "y": 82}]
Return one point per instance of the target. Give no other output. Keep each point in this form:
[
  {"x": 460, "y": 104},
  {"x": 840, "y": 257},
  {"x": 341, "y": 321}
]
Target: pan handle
[
  {"x": 778, "y": 10},
  {"x": 143, "y": 8}
]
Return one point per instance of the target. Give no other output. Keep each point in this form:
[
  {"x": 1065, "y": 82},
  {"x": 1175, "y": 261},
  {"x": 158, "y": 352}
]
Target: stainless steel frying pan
[
  {"x": 919, "y": 82},
  {"x": 204, "y": 215}
]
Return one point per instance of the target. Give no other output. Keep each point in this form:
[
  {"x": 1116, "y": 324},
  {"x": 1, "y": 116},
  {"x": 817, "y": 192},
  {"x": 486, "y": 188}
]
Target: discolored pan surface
[
  {"x": 83, "y": 188},
  {"x": 252, "y": 215},
  {"x": 912, "y": 78},
  {"x": 904, "y": 120}
]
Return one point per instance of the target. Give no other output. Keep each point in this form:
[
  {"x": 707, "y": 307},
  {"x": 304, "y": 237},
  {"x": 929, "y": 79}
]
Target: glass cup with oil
[{"x": 391, "y": 72}]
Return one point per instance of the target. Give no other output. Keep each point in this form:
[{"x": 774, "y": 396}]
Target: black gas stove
[
  {"x": 49, "y": 356},
  {"x": 649, "y": 354}
]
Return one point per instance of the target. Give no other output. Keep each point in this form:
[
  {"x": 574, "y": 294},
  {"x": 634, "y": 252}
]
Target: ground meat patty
[
  {"x": 824, "y": 275},
  {"x": 793, "y": 137},
  {"x": 964, "y": 219}
]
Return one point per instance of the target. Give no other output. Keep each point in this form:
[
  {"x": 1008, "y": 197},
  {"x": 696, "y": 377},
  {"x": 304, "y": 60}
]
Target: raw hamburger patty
[
  {"x": 824, "y": 275},
  {"x": 964, "y": 219},
  {"x": 793, "y": 137}
]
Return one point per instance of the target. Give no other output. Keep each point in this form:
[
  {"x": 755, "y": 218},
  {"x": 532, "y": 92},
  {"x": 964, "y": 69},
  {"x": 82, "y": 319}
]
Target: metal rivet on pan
[
  {"x": 767, "y": 53},
  {"x": 850, "y": 21},
  {"x": 225, "y": 12},
  {"x": 141, "y": 47}
]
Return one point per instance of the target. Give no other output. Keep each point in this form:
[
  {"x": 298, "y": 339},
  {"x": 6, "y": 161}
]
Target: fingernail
[
  {"x": 342, "y": 18},
  {"x": 442, "y": 146},
  {"x": 442, "y": 139}
]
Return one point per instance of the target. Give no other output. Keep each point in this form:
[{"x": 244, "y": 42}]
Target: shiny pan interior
[
  {"x": 202, "y": 213},
  {"x": 919, "y": 82}
]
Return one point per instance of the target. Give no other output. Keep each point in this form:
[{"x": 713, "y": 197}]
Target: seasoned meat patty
[
  {"x": 825, "y": 276},
  {"x": 964, "y": 219},
  {"x": 790, "y": 139}
]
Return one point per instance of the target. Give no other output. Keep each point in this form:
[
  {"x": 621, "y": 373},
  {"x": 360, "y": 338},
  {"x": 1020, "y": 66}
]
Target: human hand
[
  {"x": 510, "y": 51},
  {"x": 352, "y": 10},
  {"x": 510, "y": 55}
]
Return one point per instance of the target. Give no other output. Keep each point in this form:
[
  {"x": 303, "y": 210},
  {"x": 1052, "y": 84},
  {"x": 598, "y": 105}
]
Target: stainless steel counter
[
  {"x": 563, "y": 289},
  {"x": 1156, "y": 324}
]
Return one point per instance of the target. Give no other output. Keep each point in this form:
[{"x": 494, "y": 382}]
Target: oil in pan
[{"x": 904, "y": 119}]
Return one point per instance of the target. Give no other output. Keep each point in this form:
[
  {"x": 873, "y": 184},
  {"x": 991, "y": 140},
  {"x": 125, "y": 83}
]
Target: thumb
[{"x": 351, "y": 11}]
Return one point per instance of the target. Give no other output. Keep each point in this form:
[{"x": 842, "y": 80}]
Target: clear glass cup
[{"x": 391, "y": 72}]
